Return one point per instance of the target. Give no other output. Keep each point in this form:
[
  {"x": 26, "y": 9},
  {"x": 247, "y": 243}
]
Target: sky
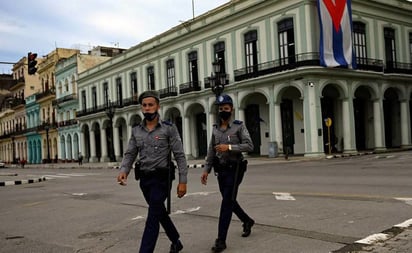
[{"x": 42, "y": 25}]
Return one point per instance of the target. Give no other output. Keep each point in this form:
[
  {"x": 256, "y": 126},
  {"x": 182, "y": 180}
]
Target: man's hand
[
  {"x": 203, "y": 178},
  {"x": 222, "y": 148},
  {"x": 181, "y": 190},
  {"x": 122, "y": 178}
]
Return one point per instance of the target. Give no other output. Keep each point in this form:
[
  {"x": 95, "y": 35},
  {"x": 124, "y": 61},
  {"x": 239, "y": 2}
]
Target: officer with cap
[
  {"x": 153, "y": 140},
  {"x": 229, "y": 140}
]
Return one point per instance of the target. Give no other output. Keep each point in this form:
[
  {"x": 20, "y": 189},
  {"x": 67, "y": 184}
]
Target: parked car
[{"x": 2, "y": 164}]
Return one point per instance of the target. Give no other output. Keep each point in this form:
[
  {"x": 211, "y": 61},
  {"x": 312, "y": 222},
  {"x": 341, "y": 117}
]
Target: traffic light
[{"x": 31, "y": 58}]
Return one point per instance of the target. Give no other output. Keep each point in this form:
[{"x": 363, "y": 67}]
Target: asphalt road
[{"x": 298, "y": 205}]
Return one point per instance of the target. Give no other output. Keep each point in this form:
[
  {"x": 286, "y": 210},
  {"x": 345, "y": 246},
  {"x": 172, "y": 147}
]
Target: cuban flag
[{"x": 336, "y": 47}]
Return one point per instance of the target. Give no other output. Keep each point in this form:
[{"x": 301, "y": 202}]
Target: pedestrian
[
  {"x": 22, "y": 162},
  {"x": 80, "y": 158},
  {"x": 229, "y": 139},
  {"x": 154, "y": 140}
]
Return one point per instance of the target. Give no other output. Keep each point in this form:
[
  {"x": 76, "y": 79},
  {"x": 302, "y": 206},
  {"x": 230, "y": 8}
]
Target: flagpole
[{"x": 193, "y": 9}]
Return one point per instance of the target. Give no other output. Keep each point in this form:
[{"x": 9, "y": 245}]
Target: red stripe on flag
[{"x": 336, "y": 11}]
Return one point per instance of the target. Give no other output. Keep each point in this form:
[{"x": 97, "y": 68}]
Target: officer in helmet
[{"x": 229, "y": 140}]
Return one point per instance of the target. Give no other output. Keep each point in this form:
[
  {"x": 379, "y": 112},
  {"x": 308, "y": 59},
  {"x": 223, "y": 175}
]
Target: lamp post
[
  {"x": 110, "y": 110},
  {"x": 47, "y": 128}
]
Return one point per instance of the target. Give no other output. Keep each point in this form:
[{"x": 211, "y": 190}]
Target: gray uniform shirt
[
  {"x": 236, "y": 135},
  {"x": 153, "y": 149}
]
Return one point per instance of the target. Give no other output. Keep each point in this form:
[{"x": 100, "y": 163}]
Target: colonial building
[
  {"x": 66, "y": 102},
  {"x": 42, "y": 136},
  {"x": 267, "y": 53},
  {"x": 13, "y": 122}
]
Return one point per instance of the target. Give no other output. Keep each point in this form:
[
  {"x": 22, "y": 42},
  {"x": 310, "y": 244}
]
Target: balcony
[
  {"x": 168, "y": 92},
  {"x": 189, "y": 87},
  {"x": 48, "y": 92},
  {"x": 64, "y": 99},
  {"x": 66, "y": 123},
  {"x": 313, "y": 59}
]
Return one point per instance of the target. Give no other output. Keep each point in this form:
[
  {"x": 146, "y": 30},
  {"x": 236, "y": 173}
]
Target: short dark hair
[{"x": 150, "y": 93}]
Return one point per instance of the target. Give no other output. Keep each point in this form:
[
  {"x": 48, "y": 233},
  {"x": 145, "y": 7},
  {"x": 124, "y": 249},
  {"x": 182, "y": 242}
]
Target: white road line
[
  {"x": 189, "y": 210},
  {"x": 55, "y": 176},
  {"x": 199, "y": 193},
  {"x": 283, "y": 196},
  {"x": 72, "y": 175},
  {"x": 406, "y": 200}
]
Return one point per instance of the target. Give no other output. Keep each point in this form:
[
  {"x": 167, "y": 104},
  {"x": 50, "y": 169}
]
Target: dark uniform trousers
[
  {"x": 226, "y": 180},
  {"x": 155, "y": 191}
]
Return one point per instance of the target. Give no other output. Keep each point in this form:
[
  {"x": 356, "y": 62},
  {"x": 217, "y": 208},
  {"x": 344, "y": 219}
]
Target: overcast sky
[{"x": 42, "y": 25}]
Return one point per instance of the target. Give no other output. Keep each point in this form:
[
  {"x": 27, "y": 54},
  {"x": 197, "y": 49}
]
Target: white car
[{"x": 2, "y": 164}]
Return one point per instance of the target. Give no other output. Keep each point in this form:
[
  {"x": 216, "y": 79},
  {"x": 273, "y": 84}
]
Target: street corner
[{"x": 398, "y": 237}]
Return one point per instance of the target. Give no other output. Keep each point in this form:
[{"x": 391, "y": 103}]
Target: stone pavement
[{"x": 397, "y": 239}]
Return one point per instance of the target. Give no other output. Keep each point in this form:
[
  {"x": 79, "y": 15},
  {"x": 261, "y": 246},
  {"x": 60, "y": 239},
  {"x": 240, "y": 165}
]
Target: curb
[
  {"x": 371, "y": 240},
  {"x": 19, "y": 182}
]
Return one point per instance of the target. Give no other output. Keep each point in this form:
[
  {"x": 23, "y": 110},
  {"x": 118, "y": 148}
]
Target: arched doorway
[
  {"x": 391, "y": 110},
  {"x": 332, "y": 108},
  {"x": 363, "y": 115}
]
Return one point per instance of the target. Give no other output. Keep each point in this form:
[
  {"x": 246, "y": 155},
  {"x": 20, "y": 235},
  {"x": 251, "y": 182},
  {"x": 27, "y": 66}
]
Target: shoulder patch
[
  {"x": 167, "y": 122},
  {"x": 237, "y": 122}
]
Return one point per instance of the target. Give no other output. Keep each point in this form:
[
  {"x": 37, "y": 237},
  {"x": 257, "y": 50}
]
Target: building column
[
  {"x": 116, "y": 141},
  {"x": 349, "y": 133},
  {"x": 379, "y": 124},
  {"x": 103, "y": 138},
  {"x": 186, "y": 139},
  {"x": 313, "y": 121},
  {"x": 93, "y": 157},
  {"x": 278, "y": 135},
  {"x": 82, "y": 144},
  {"x": 406, "y": 141}
]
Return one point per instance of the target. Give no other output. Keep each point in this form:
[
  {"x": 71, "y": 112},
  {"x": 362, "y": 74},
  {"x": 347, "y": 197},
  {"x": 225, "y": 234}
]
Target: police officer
[
  {"x": 152, "y": 140},
  {"x": 229, "y": 140}
]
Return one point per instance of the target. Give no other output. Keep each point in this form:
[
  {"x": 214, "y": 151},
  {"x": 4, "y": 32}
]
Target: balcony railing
[
  {"x": 207, "y": 81},
  {"x": 48, "y": 92},
  {"x": 64, "y": 99},
  {"x": 313, "y": 59},
  {"x": 168, "y": 92},
  {"x": 69, "y": 122},
  {"x": 189, "y": 87}
]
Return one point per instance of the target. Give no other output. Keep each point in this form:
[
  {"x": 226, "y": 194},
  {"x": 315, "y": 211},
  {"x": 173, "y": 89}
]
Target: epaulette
[
  {"x": 237, "y": 122},
  {"x": 167, "y": 122}
]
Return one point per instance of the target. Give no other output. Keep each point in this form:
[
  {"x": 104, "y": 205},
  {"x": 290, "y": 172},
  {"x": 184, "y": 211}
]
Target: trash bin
[{"x": 273, "y": 149}]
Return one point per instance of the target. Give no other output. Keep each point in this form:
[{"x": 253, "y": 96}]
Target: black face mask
[
  {"x": 149, "y": 116},
  {"x": 225, "y": 115}
]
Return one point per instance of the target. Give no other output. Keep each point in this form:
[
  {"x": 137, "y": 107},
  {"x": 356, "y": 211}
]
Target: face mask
[
  {"x": 150, "y": 116},
  {"x": 225, "y": 115}
]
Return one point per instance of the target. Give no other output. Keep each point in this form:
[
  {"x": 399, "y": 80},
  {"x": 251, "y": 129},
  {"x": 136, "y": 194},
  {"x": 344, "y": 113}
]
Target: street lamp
[
  {"x": 110, "y": 110},
  {"x": 217, "y": 79},
  {"x": 47, "y": 128}
]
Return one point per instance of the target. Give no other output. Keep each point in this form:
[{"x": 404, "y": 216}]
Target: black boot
[
  {"x": 247, "y": 228},
  {"x": 219, "y": 246},
  {"x": 176, "y": 247}
]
